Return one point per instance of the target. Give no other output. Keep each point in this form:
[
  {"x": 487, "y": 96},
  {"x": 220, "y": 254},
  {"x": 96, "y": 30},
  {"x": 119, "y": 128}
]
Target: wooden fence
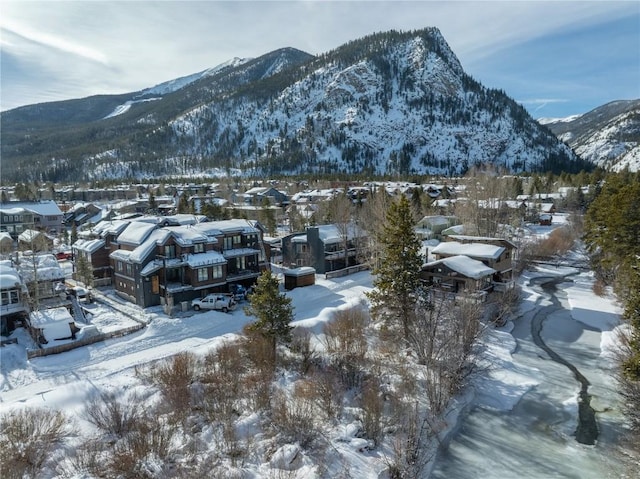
[{"x": 346, "y": 271}]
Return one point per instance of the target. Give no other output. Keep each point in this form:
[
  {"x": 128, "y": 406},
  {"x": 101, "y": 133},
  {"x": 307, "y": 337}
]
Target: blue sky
[{"x": 557, "y": 58}]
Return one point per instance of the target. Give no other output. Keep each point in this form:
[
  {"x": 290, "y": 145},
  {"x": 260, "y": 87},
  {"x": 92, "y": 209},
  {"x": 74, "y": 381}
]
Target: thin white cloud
[{"x": 55, "y": 42}]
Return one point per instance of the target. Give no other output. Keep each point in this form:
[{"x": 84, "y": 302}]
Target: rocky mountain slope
[
  {"x": 389, "y": 103},
  {"x": 608, "y": 136}
]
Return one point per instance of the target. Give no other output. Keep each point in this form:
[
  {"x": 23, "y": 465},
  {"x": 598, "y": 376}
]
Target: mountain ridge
[
  {"x": 607, "y": 136},
  {"x": 388, "y": 103}
]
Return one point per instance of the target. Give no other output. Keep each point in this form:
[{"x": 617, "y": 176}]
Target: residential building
[
  {"x": 459, "y": 275},
  {"x": 16, "y": 216},
  {"x": 326, "y": 247},
  {"x": 14, "y": 304},
  {"x": 168, "y": 265}
]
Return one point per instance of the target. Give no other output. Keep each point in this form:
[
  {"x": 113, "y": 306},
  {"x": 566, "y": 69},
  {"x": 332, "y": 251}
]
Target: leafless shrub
[
  {"x": 145, "y": 453},
  {"x": 410, "y": 456},
  {"x": 258, "y": 349},
  {"x": 27, "y": 438},
  {"x": 327, "y": 392},
  {"x": 301, "y": 346},
  {"x": 174, "y": 377},
  {"x": 505, "y": 304},
  {"x": 444, "y": 336},
  {"x": 344, "y": 334},
  {"x": 221, "y": 377},
  {"x": 112, "y": 416},
  {"x": 599, "y": 288},
  {"x": 256, "y": 390},
  {"x": 294, "y": 416},
  {"x": 87, "y": 460},
  {"x": 347, "y": 345},
  {"x": 372, "y": 410}
]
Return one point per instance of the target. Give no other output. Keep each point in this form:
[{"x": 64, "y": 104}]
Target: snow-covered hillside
[
  {"x": 178, "y": 83},
  {"x": 608, "y": 136},
  {"x": 389, "y": 103},
  {"x": 406, "y": 107}
]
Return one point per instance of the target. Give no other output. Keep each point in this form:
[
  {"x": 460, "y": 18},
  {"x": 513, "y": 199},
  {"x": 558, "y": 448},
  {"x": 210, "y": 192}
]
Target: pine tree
[
  {"x": 84, "y": 270},
  {"x": 74, "y": 233},
  {"x": 272, "y": 309},
  {"x": 397, "y": 275}
]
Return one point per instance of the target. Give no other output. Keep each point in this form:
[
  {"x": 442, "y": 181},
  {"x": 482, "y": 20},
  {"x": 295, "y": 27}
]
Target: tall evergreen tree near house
[
  {"x": 183, "y": 204},
  {"x": 272, "y": 309},
  {"x": 74, "y": 233},
  {"x": 268, "y": 216},
  {"x": 84, "y": 269},
  {"x": 397, "y": 274}
]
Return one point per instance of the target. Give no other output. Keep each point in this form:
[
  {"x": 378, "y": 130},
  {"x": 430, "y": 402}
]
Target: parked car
[
  {"x": 238, "y": 291},
  {"x": 218, "y": 302},
  {"x": 63, "y": 255}
]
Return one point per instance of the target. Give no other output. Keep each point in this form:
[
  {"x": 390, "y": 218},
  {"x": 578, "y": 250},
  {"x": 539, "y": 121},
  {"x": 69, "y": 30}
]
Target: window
[
  {"x": 129, "y": 269},
  {"x": 198, "y": 248},
  {"x": 170, "y": 251},
  {"x": 231, "y": 242},
  {"x": 119, "y": 265},
  {"x": 203, "y": 274},
  {"x": 216, "y": 272}
]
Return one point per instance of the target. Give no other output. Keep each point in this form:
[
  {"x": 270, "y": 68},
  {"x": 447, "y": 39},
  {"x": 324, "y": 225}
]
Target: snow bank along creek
[{"x": 565, "y": 425}]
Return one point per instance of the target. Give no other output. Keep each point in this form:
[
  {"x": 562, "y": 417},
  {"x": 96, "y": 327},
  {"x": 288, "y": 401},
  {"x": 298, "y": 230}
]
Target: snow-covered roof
[
  {"x": 121, "y": 254},
  {"x": 139, "y": 254},
  {"x": 136, "y": 232},
  {"x": 43, "y": 208},
  {"x": 205, "y": 259},
  {"x": 456, "y": 229},
  {"x": 53, "y": 322},
  {"x": 9, "y": 277},
  {"x": 299, "y": 239},
  {"x": 5, "y": 236},
  {"x": 239, "y": 225},
  {"x": 29, "y": 235},
  {"x": 330, "y": 234},
  {"x": 301, "y": 271},
  {"x": 110, "y": 227},
  {"x": 151, "y": 267},
  {"x": 465, "y": 266},
  {"x": 232, "y": 253},
  {"x": 184, "y": 219},
  {"x": 43, "y": 267},
  {"x": 481, "y": 239},
  {"x": 187, "y": 236},
  {"x": 12, "y": 210},
  {"x": 90, "y": 246},
  {"x": 477, "y": 250}
]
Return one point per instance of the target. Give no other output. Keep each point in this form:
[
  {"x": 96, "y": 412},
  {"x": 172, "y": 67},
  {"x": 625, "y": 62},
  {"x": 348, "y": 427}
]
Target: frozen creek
[{"x": 567, "y": 426}]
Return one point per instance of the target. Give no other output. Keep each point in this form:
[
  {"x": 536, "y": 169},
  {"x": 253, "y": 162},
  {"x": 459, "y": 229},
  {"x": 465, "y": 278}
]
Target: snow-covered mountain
[
  {"x": 608, "y": 136},
  {"x": 178, "y": 83},
  {"x": 389, "y": 103}
]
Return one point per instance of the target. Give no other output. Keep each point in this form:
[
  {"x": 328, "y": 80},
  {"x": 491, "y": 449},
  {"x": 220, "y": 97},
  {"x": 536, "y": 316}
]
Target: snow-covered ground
[{"x": 65, "y": 381}]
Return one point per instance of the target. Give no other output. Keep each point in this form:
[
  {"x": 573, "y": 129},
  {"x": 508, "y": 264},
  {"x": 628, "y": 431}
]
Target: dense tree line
[{"x": 612, "y": 237}]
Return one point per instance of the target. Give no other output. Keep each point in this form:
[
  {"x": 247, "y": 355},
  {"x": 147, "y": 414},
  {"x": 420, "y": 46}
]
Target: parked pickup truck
[{"x": 219, "y": 302}]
